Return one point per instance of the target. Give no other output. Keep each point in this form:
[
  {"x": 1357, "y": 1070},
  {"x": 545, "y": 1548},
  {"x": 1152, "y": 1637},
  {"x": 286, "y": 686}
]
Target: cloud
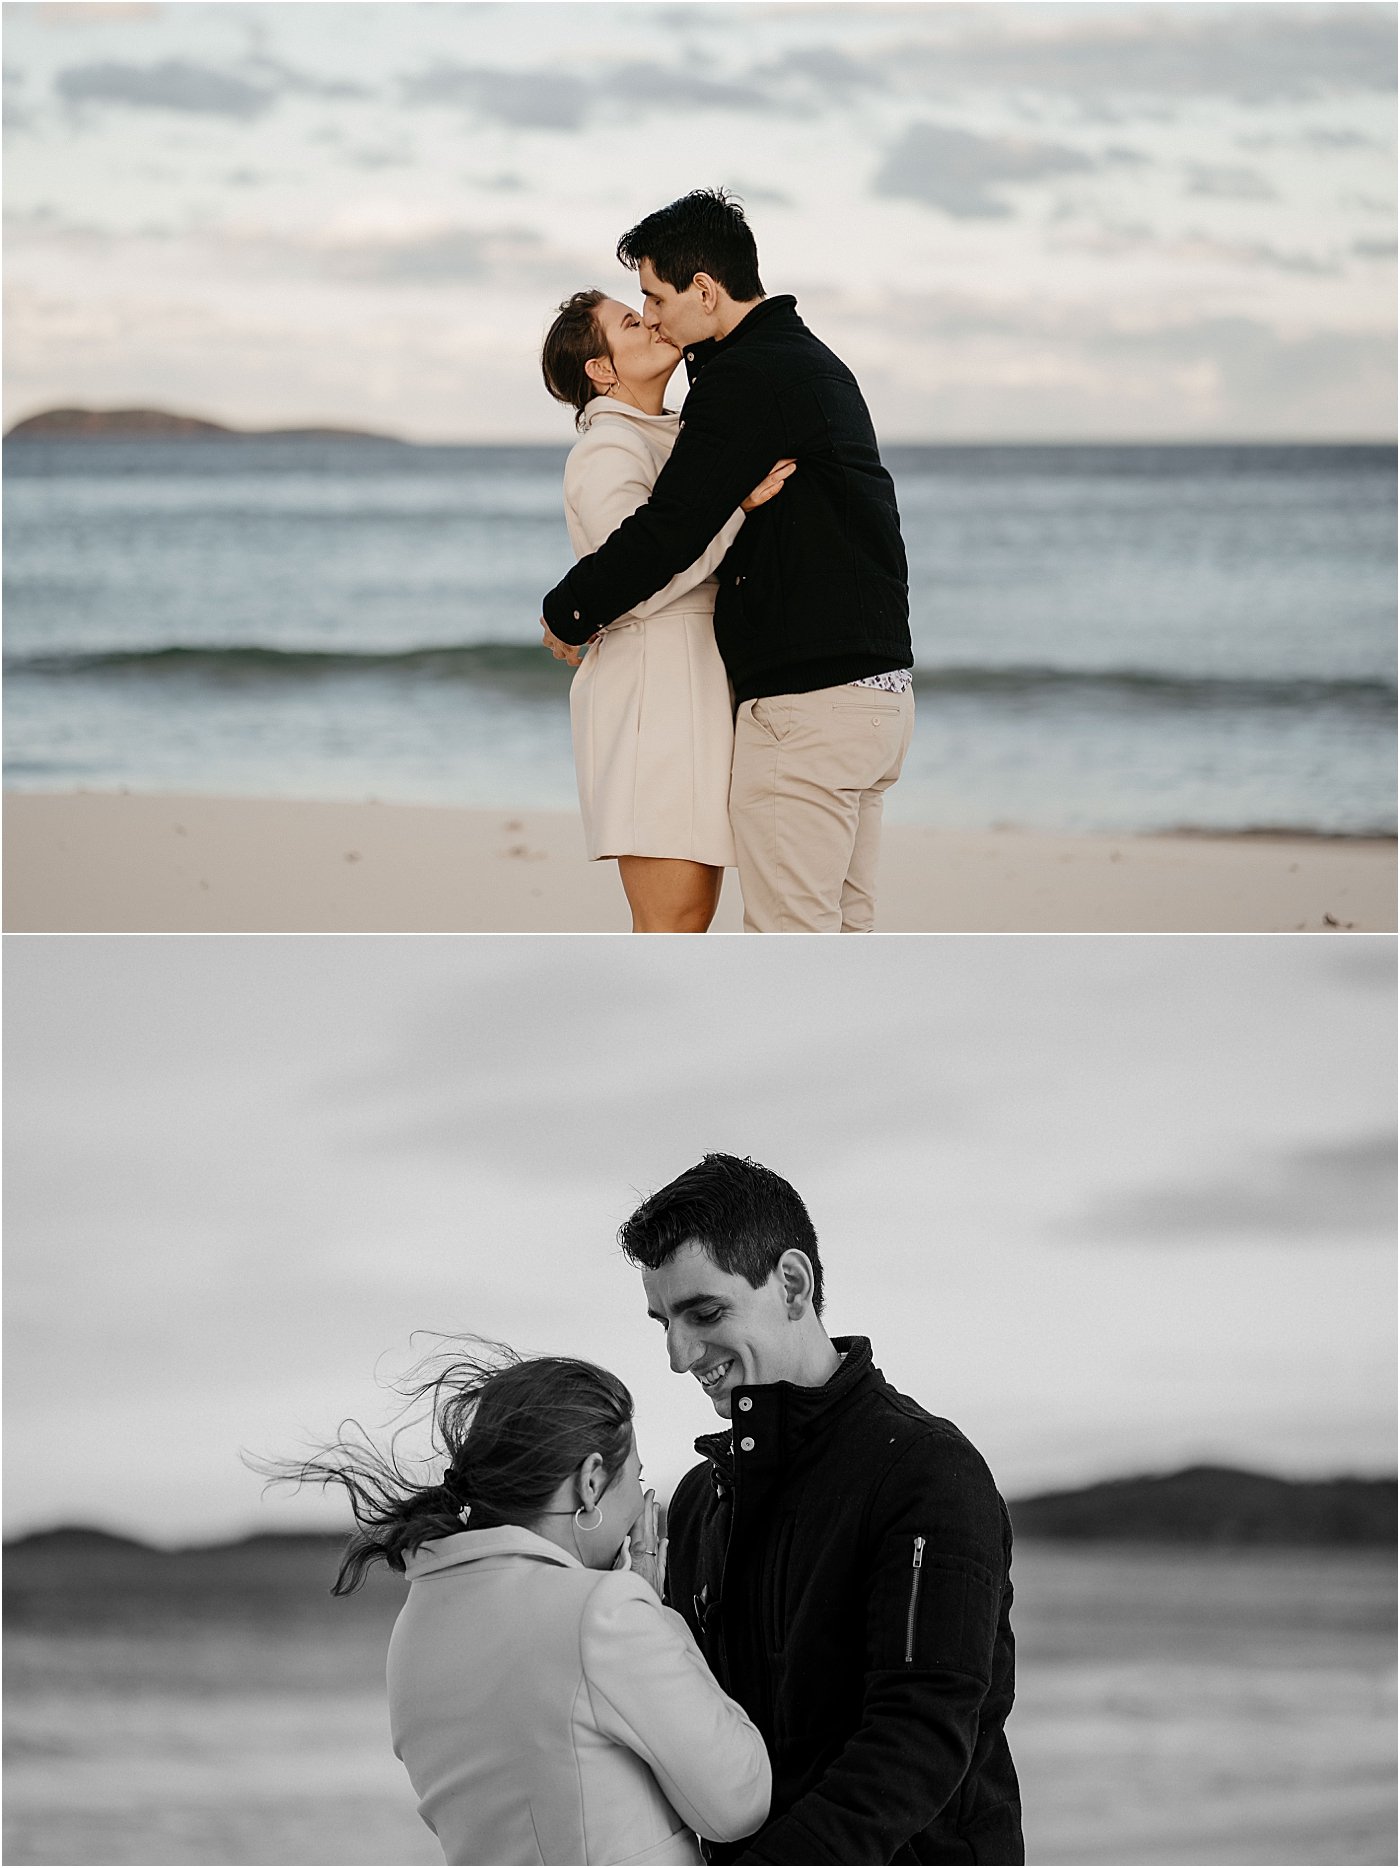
[
  {"x": 17, "y": 114},
  {"x": 825, "y": 69},
  {"x": 173, "y": 84},
  {"x": 532, "y": 100},
  {"x": 288, "y": 80},
  {"x": 958, "y": 171},
  {"x": 1225, "y": 183},
  {"x": 1021, "y": 366},
  {"x": 651, "y": 86},
  {"x": 381, "y": 158},
  {"x": 1373, "y": 249},
  {"x": 198, "y": 90},
  {"x": 1342, "y": 1189},
  {"x": 1105, "y": 56},
  {"x": 447, "y": 256},
  {"x": 1120, "y": 239},
  {"x": 1321, "y": 138},
  {"x": 1246, "y": 367},
  {"x": 45, "y": 223},
  {"x": 1257, "y": 253},
  {"x": 542, "y": 99},
  {"x": 750, "y": 193}
]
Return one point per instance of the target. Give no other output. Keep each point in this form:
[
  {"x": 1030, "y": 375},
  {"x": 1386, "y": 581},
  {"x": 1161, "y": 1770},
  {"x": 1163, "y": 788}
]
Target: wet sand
[{"x": 100, "y": 862}]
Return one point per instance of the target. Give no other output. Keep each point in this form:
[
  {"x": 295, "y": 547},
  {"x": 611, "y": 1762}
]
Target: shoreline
[{"x": 109, "y": 862}]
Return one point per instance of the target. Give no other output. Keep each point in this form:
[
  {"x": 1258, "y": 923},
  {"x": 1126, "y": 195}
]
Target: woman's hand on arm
[{"x": 769, "y": 486}]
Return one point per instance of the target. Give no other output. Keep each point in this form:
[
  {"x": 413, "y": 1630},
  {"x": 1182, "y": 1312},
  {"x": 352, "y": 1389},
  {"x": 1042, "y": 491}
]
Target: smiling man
[
  {"x": 842, "y": 1556},
  {"x": 812, "y": 609}
]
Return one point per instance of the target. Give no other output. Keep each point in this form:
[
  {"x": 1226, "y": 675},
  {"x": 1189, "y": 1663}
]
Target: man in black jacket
[
  {"x": 841, "y": 1556},
  {"x": 812, "y": 612}
]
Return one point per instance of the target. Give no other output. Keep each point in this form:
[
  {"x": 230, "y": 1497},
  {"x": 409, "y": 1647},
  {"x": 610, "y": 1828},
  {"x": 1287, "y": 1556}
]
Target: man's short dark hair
[
  {"x": 744, "y": 1215},
  {"x": 702, "y": 232}
]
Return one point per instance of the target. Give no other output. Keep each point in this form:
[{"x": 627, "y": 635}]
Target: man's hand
[
  {"x": 561, "y": 651},
  {"x": 770, "y": 486}
]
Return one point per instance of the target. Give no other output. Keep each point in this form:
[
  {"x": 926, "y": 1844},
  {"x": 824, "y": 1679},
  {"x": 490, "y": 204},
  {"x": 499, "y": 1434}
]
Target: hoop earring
[{"x": 578, "y": 1517}]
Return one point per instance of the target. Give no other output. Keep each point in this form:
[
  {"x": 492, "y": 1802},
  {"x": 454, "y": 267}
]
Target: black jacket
[
  {"x": 843, "y": 1560},
  {"x": 815, "y": 590}
]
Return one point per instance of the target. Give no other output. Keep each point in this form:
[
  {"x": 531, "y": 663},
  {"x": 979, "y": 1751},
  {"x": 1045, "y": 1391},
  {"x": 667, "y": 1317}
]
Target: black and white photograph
[{"x": 860, "y": 1402}]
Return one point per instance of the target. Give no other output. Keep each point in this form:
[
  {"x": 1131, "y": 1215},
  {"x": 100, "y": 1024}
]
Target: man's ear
[
  {"x": 795, "y": 1270},
  {"x": 709, "y": 290}
]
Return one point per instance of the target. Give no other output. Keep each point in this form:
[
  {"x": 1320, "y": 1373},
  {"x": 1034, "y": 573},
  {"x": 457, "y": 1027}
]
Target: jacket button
[
  {"x": 745, "y": 1403},
  {"x": 577, "y": 617},
  {"x": 690, "y": 356},
  {"x": 746, "y": 1445}
]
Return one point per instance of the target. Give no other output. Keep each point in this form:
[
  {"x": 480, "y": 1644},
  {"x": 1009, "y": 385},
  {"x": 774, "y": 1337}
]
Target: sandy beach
[
  {"x": 1173, "y": 1706},
  {"x": 100, "y": 862}
]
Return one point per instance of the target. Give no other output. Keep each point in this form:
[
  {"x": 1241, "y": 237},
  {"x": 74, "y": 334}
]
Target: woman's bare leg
[{"x": 668, "y": 895}]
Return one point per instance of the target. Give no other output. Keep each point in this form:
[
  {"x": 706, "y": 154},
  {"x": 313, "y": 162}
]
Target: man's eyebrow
[{"x": 687, "y": 1303}]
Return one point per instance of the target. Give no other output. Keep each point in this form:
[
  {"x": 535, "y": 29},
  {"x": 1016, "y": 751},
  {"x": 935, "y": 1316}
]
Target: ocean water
[
  {"x": 1182, "y": 1706},
  {"x": 1106, "y": 638}
]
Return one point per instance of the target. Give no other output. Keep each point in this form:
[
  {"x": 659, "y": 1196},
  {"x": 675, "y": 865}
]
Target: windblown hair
[
  {"x": 574, "y": 339},
  {"x": 744, "y": 1215},
  {"x": 512, "y": 1429},
  {"x": 702, "y": 232}
]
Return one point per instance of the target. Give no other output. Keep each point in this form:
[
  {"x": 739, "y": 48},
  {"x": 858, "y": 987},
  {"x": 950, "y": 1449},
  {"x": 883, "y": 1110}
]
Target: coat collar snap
[
  {"x": 698, "y": 355},
  {"x": 780, "y": 1415}
]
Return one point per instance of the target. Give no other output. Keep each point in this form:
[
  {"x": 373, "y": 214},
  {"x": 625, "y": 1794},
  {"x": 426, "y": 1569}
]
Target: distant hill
[
  {"x": 70, "y": 1579},
  {"x": 80, "y": 1539},
  {"x": 1216, "y": 1505},
  {"x": 1201, "y": 1505},
  {"x": 159, "y": 424}
]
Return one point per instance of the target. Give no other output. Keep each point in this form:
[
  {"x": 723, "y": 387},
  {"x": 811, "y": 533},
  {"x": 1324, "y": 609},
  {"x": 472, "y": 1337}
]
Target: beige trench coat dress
[{"x": 651, "y": 706}]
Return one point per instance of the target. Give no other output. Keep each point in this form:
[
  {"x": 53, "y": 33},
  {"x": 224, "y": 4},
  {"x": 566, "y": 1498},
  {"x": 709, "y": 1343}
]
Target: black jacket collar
[
  {"x": 698, "y": 355},
  {"x": 782, "y": 1414}
]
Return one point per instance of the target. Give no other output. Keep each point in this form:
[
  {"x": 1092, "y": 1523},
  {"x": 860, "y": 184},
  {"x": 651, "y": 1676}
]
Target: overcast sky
[
  {"x": 1112, "y": 1204},
  {"x": 1031, "y": 221}
]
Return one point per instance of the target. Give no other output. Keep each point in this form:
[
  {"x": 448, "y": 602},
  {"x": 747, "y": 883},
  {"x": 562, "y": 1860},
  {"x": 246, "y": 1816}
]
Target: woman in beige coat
[
  {"x": 652, "y": 711},
  {"x": 547, "y": 1706}
]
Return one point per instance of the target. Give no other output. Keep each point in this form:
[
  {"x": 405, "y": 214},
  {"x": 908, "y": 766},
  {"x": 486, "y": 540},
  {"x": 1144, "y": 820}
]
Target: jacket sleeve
[
  {"x": 606, "y": 482},
  {"x": 730, "y": 437},
  {"x": 649, "y": 1689},
  {"x": 931, "y": 1617}
]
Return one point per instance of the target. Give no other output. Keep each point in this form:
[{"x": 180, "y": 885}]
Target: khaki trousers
[{"x": 805, "y": 801}]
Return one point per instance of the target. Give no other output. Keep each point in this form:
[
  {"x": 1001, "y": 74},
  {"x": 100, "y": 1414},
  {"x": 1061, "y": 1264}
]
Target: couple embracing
[
  {"x": 739, "y": 617},
  {"x": 815, "y": 1665}
]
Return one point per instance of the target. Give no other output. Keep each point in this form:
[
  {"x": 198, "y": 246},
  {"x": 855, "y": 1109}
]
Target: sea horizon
[
  {"x": 333, "y": 426},
  {"x": 1211, "y": 1489}
]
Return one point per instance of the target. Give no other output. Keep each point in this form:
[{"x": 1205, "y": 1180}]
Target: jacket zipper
[{"x": 918, "y": 1569}]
